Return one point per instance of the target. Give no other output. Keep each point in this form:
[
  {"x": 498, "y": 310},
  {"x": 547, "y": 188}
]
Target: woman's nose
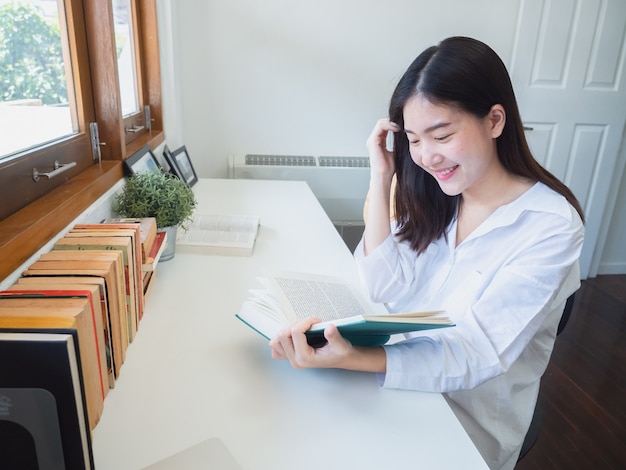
[{"x": 429, "y": 155}]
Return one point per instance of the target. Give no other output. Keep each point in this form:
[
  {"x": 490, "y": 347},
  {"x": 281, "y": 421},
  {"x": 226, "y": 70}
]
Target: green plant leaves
[{"x": 156, "y": 194}]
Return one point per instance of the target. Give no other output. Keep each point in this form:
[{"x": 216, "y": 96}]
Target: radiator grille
[
  {"x": 349, "y": 162},
  {"x": 305, "y": 160},
  {"x": 280, "y": 160}
]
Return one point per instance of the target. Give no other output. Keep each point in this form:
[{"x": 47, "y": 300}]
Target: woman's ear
[{"x": 497, "y": 119}]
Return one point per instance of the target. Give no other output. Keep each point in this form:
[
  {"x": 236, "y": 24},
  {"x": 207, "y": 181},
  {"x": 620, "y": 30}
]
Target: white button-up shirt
[{"x": 505, "y": 287}]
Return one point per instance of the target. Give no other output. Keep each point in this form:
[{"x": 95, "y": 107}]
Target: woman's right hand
[
  {"x": 377, "y": 211},
  {"x": 381, "y": 159}
]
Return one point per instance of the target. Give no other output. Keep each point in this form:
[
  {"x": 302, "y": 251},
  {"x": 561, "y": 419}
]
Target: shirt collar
[{"x": 538, "y": 198}]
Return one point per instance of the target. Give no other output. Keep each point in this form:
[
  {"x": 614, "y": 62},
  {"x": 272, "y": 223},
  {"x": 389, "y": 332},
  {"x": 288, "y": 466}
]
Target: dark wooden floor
[{"x": 583, "y": 392}]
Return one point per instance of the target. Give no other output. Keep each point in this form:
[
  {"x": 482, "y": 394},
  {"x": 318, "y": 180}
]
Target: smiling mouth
[{"x": 445, "y": 172}]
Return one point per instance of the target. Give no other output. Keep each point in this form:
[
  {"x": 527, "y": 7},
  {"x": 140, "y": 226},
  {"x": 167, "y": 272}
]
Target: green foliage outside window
[{"x": 31, "y": 57}]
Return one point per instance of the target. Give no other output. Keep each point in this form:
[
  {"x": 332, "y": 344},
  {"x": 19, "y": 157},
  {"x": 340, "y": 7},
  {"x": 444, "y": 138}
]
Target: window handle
[
  {"x": 58, "y": 169},
  {"x": 133, "y": 129}
]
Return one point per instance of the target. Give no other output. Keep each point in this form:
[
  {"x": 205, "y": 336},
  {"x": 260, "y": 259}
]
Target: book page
[
  {"x": 215, "y": 234},
  {"x": 317, "y": 296},
  {"x": 209, "y": 229}
]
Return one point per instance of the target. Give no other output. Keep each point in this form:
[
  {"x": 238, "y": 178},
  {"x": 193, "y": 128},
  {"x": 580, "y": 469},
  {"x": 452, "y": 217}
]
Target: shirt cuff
[{"x": 392, "y": 377}]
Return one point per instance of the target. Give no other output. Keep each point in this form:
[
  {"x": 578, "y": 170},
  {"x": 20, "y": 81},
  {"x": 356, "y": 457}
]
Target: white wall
[
  {"x": 310, "y": 78},
  {"x": 304, "y": 78}
]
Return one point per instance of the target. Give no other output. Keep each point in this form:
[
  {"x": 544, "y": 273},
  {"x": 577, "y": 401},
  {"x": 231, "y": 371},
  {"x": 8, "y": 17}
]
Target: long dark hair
[{"x": 468, "y": 74}]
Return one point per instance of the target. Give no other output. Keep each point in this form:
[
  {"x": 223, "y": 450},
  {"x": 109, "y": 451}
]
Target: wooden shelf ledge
[{"x": 25, "y": 232}]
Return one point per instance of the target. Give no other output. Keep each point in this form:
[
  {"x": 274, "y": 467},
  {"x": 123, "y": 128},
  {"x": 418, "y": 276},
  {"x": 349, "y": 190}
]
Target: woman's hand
[
  {"x": 377, "y": 211},
  {"x": 381, "y": 159},
  {"x": 291, "y": 344}
]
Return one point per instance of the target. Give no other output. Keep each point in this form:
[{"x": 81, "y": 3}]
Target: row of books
[{"x": 65, "y": 327}]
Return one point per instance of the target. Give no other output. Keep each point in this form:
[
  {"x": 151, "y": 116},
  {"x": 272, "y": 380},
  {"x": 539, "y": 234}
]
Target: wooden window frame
[
  {"x": 23, "y": 233},
  {"x": 16, "y": 171}
]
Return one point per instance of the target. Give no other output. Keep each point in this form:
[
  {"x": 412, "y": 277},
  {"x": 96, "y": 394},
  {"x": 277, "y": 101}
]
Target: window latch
[{"x": 95, "y": 141}]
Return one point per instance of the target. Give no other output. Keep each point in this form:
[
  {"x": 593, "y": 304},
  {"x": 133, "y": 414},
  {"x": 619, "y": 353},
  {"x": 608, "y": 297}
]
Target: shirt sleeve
[
  {"x": 392, "y": 269},
  {"x": 512, "y": 304}
]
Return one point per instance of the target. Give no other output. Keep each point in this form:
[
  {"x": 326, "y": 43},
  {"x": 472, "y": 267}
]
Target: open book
[
  {"x": 286, "y": 297},
  {"x": 221, "y": 234}
]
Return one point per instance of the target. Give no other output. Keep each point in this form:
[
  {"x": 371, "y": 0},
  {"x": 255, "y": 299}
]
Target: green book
[{"x": 286, "y": 297}]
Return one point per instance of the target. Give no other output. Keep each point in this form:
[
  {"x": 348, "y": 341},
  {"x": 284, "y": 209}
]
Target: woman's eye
[{"x": 442, "y": 138}]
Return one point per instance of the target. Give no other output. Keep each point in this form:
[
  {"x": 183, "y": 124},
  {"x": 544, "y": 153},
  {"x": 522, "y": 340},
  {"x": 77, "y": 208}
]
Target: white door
[{"x": 568, "y": 73}]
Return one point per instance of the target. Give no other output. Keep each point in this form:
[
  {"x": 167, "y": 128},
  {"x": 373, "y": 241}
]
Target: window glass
[
  {"x": 126, "y": 56},
  {"x": 36, "y": 103}
]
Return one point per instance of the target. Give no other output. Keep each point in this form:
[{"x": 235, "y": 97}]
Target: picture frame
[
  {"x": 167, "y": 160},
  {"x": 183, "y": 166},
  {"x": 142, "y": 161}
]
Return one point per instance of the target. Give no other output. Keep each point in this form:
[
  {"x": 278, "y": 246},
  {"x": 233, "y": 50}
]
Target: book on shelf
[
  {"x": 24, "y": 306},
  {"x": 119, "y": 230},
  {"x": 152, "y": 259},
  {"x": 84, "y": 240},
  {"x": 43, "y": 409},
  {"x": 105, "y": 271},
  {"x": 148, "y": 280},
  {"x": 288, "y": 296},
  {"x": 147, "y": 231},
  {"x": 95, "y": 291},
  {"x": 122, "y": 240},
  {"x": 84, "y": 261},
  {"x": 220, "y": 234}
]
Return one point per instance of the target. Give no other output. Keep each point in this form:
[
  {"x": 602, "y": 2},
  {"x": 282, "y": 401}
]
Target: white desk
[{"x": 195, "y": 372}]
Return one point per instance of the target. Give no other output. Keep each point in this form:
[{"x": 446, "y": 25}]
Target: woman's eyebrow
[{"x": 431, "y": 128}]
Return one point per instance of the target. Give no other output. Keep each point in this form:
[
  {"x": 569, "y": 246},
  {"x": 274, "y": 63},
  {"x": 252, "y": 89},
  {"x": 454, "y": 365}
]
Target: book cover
[
  {"x": 220, "y": 234},
  {"x": 43, "y": 415},
  {"x": 94, "y": 241},
  {"x": 79, "y": 310},
  {"x": 98, "y": 289},
  {"x": 158, "y": 247},
  {"x": 286, "y": 297},
  {"x": 102, "y": 263},
  {"x": 132, "y": 229},
  {"x": 84, "y": 260},
  {"x": 92, "y": 291},
  {"x": 148, "y": 281},
  {"x": 147, "y": 230},
  {"x": 99, "y": 271}
]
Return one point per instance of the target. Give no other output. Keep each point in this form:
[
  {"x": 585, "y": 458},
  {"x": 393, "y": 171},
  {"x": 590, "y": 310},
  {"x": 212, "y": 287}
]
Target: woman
[{"x": 479, "y": 229}]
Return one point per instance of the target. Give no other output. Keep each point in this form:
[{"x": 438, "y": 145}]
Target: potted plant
[{"x": 163, "y": 196}]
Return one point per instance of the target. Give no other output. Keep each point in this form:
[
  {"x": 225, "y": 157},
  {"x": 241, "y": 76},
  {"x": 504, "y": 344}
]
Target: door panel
[{"x": 568, "y": 73}]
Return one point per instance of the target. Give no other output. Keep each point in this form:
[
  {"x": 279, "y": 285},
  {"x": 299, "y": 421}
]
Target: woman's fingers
[
  {"x": 290, "y": 343},
  {"x": 381, "y": 159}
]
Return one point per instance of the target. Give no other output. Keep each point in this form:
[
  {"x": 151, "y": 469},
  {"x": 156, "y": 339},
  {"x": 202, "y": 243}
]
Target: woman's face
[{"x": 455, "y": 147}]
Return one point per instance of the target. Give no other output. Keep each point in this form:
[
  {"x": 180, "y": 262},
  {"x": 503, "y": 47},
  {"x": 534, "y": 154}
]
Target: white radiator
[{"x": 339, "y": 183}]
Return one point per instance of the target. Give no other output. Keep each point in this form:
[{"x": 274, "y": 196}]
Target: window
[
  {"x": 46, "y": 99},
  {"x": 34, "y": 91},
  {"x": 126, "y": 56},
  {"x": 130, "y": 59},
  {"x": 50, "y": 104}
]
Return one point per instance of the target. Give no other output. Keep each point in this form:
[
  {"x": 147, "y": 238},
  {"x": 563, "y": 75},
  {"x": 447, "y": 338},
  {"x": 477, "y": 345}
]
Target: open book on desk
[
  {"x": 221, "y": 234},
  {"x": 287, "y": 296}
]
